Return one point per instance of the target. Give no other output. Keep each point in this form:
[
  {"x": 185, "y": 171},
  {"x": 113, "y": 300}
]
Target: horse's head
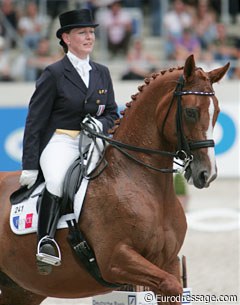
[{"x": 196, "y": 111}]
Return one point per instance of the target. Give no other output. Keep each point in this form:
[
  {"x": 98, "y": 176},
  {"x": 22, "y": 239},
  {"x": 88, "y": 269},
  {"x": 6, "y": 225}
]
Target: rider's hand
[
  {"x": 94, "y": 124},
  {"x": 28, "y": 177},
  {"x": 99, "y": 124}
]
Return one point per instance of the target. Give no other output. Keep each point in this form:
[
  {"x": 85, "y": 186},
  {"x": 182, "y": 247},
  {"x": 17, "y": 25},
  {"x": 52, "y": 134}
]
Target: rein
[
  {"x": 122, "y": 147},
  {"x": 184, "y": 146}
]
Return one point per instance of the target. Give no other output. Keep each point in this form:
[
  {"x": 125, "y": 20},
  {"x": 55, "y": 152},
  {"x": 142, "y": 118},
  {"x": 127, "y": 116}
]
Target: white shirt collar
[
  {"x": 76, "y": 62},
  {"x": 81, "y": 65}
]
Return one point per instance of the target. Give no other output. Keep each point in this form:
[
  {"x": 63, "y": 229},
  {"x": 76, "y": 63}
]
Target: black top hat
[{"x": 75, "y": 19}]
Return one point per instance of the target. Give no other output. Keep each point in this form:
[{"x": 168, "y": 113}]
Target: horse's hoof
[{"x": 43, "y": 268}]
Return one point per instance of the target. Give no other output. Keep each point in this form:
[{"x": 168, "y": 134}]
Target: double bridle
[{"x": 184, "y": 147}]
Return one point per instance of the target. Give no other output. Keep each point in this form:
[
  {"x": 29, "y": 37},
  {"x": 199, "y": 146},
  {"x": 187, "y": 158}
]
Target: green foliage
[{"x": 180, "y": 184}]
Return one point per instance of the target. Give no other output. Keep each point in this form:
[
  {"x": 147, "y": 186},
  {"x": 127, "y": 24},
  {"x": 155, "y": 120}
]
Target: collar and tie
[{"x": 82, "y": 66}]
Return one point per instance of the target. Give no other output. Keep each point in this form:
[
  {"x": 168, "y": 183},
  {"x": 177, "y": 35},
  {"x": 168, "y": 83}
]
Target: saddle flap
[{"x": 23, "y": 193}]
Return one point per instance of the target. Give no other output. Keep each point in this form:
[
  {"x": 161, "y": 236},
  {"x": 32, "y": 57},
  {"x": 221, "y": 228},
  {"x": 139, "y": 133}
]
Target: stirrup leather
[{"x": 48, "y": 258}]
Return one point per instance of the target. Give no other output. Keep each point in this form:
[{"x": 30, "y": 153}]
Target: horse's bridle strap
[
  {"x": 183, "y": 143},
  {"x": 122, "y": 147},
  {"x": 201, "y": 144},
  {"x": 180, "y": 93},
  {"x": 116, "y": 143}
]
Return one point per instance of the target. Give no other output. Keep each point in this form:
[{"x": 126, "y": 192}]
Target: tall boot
[{"x": 48, "y": 252}]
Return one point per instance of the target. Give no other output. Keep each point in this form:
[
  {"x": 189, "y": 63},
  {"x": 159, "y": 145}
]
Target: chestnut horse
[{"x": 131, "y": 216}]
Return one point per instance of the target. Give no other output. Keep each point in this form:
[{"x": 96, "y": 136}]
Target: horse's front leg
[
  {"x": 126, "y": 266},
  {"x": 173, "y": 268}
]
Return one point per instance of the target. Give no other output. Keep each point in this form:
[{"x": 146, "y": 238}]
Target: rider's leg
[
  {"x": 48, "y": 214},
  {"x": 55, "y": 160}
]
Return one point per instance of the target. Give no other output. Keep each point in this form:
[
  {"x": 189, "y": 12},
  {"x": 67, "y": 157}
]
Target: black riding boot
[{"x": 48, "y": 252}]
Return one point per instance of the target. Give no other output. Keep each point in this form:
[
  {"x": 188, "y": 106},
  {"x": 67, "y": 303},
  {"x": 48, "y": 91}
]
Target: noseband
[{"x": 184, "y": 146}]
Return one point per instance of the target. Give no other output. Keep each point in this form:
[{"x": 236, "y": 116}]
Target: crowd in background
[{"x": 189, "y": 26}]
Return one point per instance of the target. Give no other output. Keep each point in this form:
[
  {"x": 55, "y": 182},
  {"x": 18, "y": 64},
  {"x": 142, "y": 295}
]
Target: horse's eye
[{"x": 191, "y": 114}]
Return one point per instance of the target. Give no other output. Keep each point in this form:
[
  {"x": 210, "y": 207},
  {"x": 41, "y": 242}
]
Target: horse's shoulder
[{"x": 7, "y": 177}]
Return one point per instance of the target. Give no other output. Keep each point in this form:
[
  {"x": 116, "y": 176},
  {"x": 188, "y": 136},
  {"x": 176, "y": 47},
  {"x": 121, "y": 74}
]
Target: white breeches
[{"x": 61, "y": 151}]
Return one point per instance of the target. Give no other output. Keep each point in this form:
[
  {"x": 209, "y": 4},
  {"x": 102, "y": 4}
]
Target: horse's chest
[
  {"x": 164, "y": 245},
  {"x": 171, "y": 243}
]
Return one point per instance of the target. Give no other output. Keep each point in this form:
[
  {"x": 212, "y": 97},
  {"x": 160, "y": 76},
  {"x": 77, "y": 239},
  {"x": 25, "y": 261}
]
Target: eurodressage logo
[{"x": 132, "y": 299}]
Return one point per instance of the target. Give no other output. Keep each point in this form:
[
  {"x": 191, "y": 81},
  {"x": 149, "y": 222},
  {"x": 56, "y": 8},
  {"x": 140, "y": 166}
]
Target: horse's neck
[{"x": 139, "y": 127}]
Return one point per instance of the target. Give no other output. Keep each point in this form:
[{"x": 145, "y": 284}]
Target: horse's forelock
[{"x": 202, "y": 74}]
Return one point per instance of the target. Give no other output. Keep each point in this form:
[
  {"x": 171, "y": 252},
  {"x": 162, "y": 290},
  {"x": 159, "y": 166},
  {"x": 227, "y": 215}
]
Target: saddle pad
[{"x": 24, "y": 217}]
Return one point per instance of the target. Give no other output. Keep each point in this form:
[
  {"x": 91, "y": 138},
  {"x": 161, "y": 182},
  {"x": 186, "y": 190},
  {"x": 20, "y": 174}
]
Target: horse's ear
[
  {"x": 189, "y": 68},
  {"x": 216, "y": 74}
]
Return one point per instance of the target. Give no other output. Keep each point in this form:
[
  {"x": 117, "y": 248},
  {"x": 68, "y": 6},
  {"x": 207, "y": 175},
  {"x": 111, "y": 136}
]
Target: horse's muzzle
[{"x": 200, "y": 178}]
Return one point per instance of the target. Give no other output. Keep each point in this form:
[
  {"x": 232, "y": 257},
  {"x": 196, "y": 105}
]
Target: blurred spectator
[
  {"x": 204, "y": 22},
  {"x": 155, "y": 14},
  {"x": 174, "y": 23},
  {"x": 5, "y": 63},
  {"x": 236, "y": 72},
  {"x": 233, "y": 6},
  {"x": 32, "y": 25},
  {"x": 11, "y": 15},
  {"x": 12, "y": 65},
  {"x": 225, "y": 47},
  {"x": 56, "y": 7},
  {"x": 119, "y": 27},
  {"x": 207, "y": 61},
  {"x": 140, "y": 63},
  {"x": 41, "y": 58},
  {"x": 234, "y": 9},
  {"x": 92, "y": 5},
  {"x": 132, "y": 3},
  {"x": 187, "y": 44}
]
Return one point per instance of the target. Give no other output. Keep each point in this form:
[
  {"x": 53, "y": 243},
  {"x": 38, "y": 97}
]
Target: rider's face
[{"x": 80, "y": 41}]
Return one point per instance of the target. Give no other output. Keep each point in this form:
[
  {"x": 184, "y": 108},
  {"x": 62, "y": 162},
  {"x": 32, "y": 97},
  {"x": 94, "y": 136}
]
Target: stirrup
[{"x": 48, "y": 258}]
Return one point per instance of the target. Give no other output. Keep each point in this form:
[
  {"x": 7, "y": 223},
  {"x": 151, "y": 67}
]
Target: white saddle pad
[{"x": 24, "y": 217}]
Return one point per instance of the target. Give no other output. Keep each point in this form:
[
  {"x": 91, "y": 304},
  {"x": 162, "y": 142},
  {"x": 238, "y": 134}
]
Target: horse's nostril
[{"x": 204, "y": 176}]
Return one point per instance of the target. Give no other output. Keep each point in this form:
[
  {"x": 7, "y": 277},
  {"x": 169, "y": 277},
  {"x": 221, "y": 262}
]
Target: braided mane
[{"x": 134, "y": 97}]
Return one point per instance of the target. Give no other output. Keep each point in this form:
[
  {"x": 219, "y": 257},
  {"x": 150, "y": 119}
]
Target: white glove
[
  {"x": 28, "y": 177},
  {"x": 94, "y": 124},
  {"x": 99, "y": 124}
]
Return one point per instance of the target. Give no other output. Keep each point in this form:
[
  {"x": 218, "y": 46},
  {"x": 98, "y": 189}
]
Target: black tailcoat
[{"x": 61, "y": 100}]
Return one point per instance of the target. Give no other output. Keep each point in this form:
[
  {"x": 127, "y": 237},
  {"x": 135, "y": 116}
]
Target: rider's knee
[{"x": 54, "y": 186}]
